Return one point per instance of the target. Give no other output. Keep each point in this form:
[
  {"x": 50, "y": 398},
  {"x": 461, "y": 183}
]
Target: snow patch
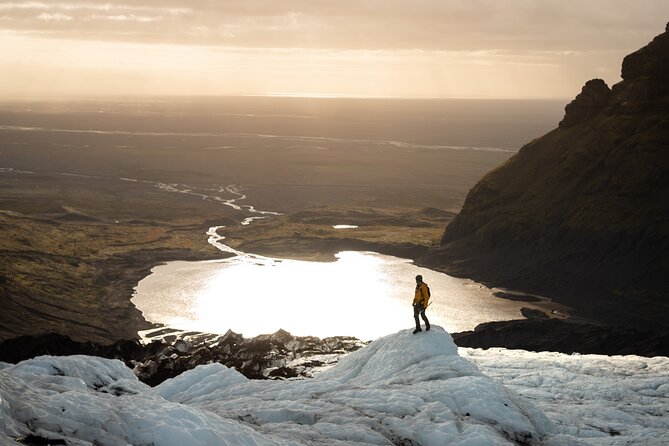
[
  {"x": 597, "y": 399},
  {"x": 401, "y": 389}
]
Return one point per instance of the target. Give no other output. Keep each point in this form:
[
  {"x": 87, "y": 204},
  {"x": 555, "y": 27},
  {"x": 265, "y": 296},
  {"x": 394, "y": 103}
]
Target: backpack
[{"x": 429, "y": 295}]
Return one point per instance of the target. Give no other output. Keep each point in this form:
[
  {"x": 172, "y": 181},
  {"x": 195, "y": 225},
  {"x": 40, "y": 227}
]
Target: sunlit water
[{"x": 362, "y": 294}]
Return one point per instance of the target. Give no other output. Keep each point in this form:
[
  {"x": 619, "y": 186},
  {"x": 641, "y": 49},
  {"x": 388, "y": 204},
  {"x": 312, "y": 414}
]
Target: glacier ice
[
  {"x": 592, "y": 399},
  {"x": 400, "y": 389}
]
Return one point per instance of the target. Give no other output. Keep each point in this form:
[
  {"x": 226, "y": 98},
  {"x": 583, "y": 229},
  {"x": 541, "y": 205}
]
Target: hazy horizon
[
  {"x": 113, "y": 97},
  {"x": 540, "y": 49}
]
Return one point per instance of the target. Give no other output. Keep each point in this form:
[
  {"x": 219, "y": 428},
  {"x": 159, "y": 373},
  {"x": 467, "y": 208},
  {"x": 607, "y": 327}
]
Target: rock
[
  {"x": 593, "y": 98},
  {"x": 275, "y": 356},
  {"x": 530, "y": 313},
  {"x": 24, "y": 347},
  {"x": 565, "y": 337},
  {"x": 182, "y": 346},
  {"x": 579, "y": 214},
  {"x": 646, "y": 75},
  {"x": 650, "y": 61}
]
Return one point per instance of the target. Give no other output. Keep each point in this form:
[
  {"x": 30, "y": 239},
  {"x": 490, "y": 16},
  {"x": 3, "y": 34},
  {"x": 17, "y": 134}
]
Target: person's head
[{"x": 419, "y": 278}]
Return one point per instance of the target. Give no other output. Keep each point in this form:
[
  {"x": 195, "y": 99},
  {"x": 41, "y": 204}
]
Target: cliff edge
[{"x": 582, "y": 213}]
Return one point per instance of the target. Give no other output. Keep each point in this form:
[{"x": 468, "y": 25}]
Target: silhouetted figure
[{"x": 420, "y": 303}]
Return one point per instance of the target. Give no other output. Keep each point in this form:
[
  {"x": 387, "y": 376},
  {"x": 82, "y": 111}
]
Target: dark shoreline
[{"x": 565, "y": 336}]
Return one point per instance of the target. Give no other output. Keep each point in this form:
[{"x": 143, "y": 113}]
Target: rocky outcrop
[
  {"x": 645, "y": 74},
  {"x": 580, "y": 214},
  {"x": 593, "y": 98},
  {"x": 275, "y": 356},
  {"x": 649, "y": 62},
  {"x": 565, "y": 337}
]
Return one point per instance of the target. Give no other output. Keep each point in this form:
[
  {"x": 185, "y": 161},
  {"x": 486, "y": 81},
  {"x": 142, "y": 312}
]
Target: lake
[{"x": 362, "y": 294}]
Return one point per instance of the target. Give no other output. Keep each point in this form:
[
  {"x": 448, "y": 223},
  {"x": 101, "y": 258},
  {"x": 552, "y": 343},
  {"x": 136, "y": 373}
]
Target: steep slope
[{"x": 581, "y": 214}]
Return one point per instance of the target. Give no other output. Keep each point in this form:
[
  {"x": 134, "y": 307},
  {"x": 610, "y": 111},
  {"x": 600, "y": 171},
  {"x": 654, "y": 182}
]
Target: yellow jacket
[{"x": 422, "y": 294}]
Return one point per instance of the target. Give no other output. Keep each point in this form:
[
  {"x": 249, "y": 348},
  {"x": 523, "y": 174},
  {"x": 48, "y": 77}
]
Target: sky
[{"x": 377, "y": 48}]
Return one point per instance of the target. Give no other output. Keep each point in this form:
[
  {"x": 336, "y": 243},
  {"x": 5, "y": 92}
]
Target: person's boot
[
  {"x": 427, "y": 326},
  {"x": 417, "y": 330}
]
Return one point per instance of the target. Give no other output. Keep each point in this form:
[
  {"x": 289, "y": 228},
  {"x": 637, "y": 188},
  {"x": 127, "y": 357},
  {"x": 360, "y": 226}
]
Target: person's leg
[
  {"x": 416, "y": 310},
  {"x": 427, "y": 323}
]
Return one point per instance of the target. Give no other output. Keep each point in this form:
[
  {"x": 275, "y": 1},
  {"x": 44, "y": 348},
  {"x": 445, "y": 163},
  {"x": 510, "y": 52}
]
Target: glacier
[{"x": 401, "y": 389}]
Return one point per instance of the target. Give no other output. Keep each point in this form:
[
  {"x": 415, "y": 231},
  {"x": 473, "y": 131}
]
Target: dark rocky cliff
[{"x": 582, "y": 213}]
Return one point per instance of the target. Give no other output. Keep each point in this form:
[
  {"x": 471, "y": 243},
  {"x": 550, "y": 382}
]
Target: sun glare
[
  {"x": 362, "y": 294},
  {"x": 302, "y": 297}
]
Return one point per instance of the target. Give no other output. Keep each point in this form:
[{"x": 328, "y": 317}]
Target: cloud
[
  {"x": 86, "y": 6},
  {"x": 54, "y": 17},
  {"x": 451, "y": 25},
  {"x": 127, "y": 18},
  {"x": 474, "y": 48}
]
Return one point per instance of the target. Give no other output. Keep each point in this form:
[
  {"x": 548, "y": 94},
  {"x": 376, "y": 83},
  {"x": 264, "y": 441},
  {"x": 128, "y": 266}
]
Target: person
[{"x": 420, "y": 299}]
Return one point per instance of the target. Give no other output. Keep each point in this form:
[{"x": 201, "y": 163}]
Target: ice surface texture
[
  {"x": 592, "y": 399},
  {"x": 400, "y": 389}
]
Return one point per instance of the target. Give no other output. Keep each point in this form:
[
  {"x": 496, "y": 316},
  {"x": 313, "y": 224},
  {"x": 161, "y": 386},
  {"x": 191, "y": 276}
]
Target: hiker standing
[{"x": 420, "y": 303}]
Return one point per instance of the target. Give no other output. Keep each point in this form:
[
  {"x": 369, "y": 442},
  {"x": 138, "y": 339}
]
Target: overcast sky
[{"x": 411, "y": 48}]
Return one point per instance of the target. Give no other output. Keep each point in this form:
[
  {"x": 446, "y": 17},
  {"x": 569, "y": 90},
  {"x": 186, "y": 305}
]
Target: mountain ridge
[{"x": 580, "y": 214}]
